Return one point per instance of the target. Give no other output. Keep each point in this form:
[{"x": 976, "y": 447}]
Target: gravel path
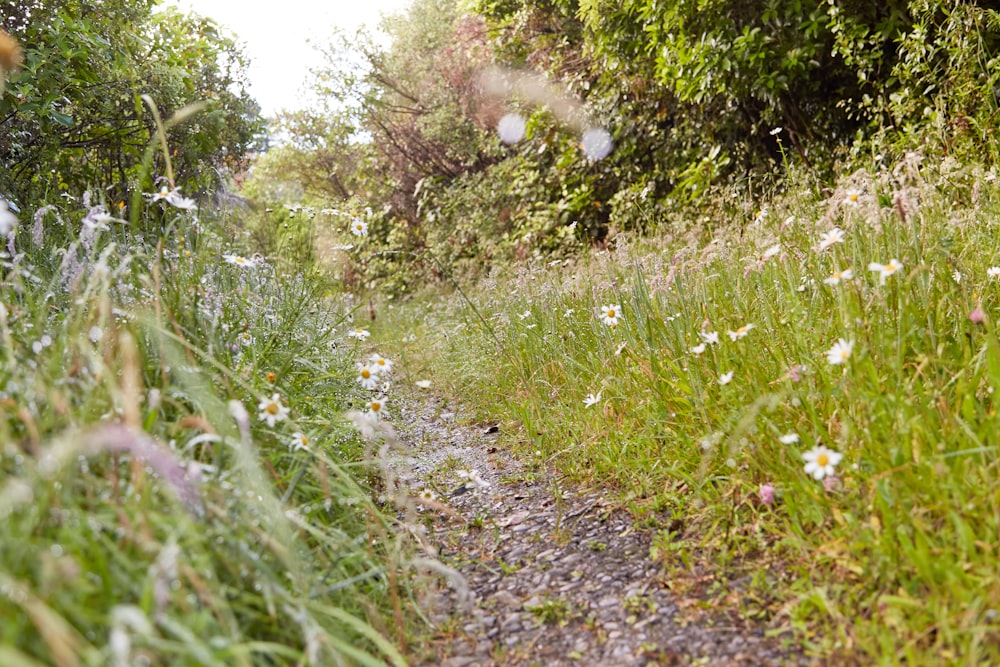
[{"x": 557, "y": 577}]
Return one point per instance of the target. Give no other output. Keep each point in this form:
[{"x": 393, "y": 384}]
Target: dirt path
[{"x": 557, "y": 577}]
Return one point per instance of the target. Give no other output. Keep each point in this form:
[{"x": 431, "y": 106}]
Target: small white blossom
[
  {"x": 359, "y": 227},
  {"x": 840, "y": 352},
  {"x": 741, "y": 332},
  {"x": 592, "y": 399},
  {"x": 820, "y": 461},
  {"x": 993, "y": 272},
  {"x": 839, "y": 276},
  {"x": 789, "y": 438},
  {"x": 699, "y": 348},
  {"x": 271, "y": 410},
  {"x": 827, "y": 239},
  {"x": 711, "y": 337},
  {"x": 726, "y": 378},
  {"x": 360, "y": 334},
  {"x": 611, "y": 314},
  {"x": 886, "y": 270},
  {"x": 240, "y": 260}
]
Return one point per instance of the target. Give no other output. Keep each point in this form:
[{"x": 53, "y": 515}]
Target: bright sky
[{"x": 279, "y": 38}]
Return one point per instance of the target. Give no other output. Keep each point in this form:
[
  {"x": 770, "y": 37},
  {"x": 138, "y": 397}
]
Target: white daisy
[
  {"x": 376, "y": 407},
  {"x": 741, "y": 332},
  {"x": 839, "y": 276},
  {"x": 360, "y": 334},
  {"x": 789, "y": 438},
  {"x": 840, "y": 352},
  {"x": 380, "y": 363},
  {"x": 611, "y": 314},
  {"x": 820, "y": 461},
  {"x": 885, "y": 270},
  {"x": 993, "y": 272},
  {"x": 592, "y": 399},
  {"x": 711, "y": 338},
  {"x": 827, "y": 239},
  {"x": 698, "y": 349},
  {"x": 359, "y": 227},
  {"x": 272, "y": 411},
  {"x": 726, "y": 378},
  {"x": 239, "y": 260},
  {"x": 299, "y": 442},
  {"x": 367, "y": 376}
]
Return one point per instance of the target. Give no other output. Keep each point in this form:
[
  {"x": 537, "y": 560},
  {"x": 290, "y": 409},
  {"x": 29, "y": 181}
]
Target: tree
[{"x": 72, "y": 118}]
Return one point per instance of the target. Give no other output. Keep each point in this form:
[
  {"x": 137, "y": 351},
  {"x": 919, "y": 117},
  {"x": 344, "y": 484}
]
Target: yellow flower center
[
  {"x": 853, "y": 196},
  {"x": 365, "y": 373},
  {"x": 304, "y": 440},
  {"x": 271, "y": 377},
  {"x": 272, "y": 408},
  {"x": 822, "y": 460},
  {"x": 844, "y": 353},
  {"x": 376, "y": 406},
  {"x": 611, "y": 314}
]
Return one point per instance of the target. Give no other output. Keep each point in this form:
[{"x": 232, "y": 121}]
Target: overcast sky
[{"x": 279, "y": 37}]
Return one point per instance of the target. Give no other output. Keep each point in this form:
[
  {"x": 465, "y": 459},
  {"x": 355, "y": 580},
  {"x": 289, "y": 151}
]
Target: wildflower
[
  {"x": 840, "y": 352},
  {"x": 95, "y": 334},
  {"x": 610, "y": 314},
  {"x": 741, "y": 332},
  {"x": 376, "y": 407},
  {"x": 360, "y": 334},
  {"x": 831, "y": 483},
  {"x": 761, "y": 214},
  {"x": 852, "y": 197},
  {"x": 8, "y": 221},
  {"x": 711, "y": 338},
  {"x": 592, "y": 399},
  {"x": 618, "y": 350},
  {"x": 270, "y": 376},
  {"x": 775, "y": 131},
  {"x": 359, "y": 227},
  {"x": 569, "y": 312},
  {"x": 839, "y": 276},
  {"x": 820, "y": 461},
  {"x": 789, "y": 439},
  {"x": 726, "y": 378},
  {"x": 239, "y": 260},
  {"x": 885, "y": 270},
  {"x": 957, "y": 276},
  {"x": 767, "y": 494},
  {"x": 272, "y": 411},
  {"x": 423, "y": 384},
  {"x": 427, "y": 496},
  {"x": 367, "y": 376},
  {"x": 525, "y": 315},
  {"x": 473, "y": 478},
  {"x": 699, "y": 348},
  {"x": 299, "y": 443},
  {"x": 827, "y": 239},
  {"x": 993, "y": 272},
  {"x": 172, "y": 197},
  {"x": 380, "y": 363},
  {"x": 977, "y": 316}
]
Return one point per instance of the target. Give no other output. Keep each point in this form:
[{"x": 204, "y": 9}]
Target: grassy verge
[
  {"x": 177, "y": 485},
  {"x": 831, "y": 433}
]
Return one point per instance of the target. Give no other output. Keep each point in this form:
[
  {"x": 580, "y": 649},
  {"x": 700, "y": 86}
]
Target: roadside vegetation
[{"x": 734, "y": 263}]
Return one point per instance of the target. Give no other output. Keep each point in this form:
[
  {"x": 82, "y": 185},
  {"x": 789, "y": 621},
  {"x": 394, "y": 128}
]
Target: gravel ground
[{"x": 556, "y": 576}]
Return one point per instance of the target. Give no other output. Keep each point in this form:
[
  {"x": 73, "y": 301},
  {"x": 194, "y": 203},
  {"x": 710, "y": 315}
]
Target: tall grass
[
  {"x": 150, "y": 514},
  {"x": 892, "y": 558}
]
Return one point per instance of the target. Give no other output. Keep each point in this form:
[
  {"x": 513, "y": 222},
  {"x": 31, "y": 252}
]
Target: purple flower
[{"x": 767, "y": 494}]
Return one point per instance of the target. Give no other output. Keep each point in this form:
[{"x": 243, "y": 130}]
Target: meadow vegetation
[{"x": 734, "y": 263}]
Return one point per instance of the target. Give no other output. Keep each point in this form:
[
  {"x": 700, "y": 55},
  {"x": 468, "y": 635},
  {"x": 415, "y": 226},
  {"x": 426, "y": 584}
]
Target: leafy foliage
[{"x": 75, "y": 105}]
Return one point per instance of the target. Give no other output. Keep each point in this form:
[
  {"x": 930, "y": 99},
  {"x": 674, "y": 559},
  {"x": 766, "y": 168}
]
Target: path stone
[{"x": 558, "y": 576}]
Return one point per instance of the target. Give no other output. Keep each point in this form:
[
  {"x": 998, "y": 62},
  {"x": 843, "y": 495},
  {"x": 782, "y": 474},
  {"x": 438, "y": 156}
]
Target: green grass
[
  {"x": 892, "y": 561},
  {"x": 149, "y": 514}
]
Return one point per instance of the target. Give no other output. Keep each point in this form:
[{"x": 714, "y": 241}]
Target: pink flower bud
[
  {"x": 767, "y": 494},
  {"x": 977, "y": 316}
]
